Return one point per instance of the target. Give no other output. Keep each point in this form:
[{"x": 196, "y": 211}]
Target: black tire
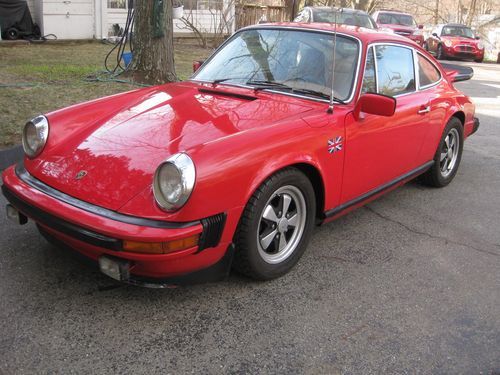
[
  {"x": 12, "y": 34},
  {"x": 479, "y": 60},
  {"x": 425, "y": 46},
  {"x": 250, "y": 256},
  {"x": 439, "y": 52},
  {"x": 435, "y": 176}
]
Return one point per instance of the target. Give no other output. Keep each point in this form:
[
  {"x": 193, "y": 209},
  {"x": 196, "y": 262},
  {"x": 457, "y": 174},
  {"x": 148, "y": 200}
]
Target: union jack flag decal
[{"x": 335, "y": 145}]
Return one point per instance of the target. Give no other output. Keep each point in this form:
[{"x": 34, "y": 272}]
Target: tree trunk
[{"x": 153, "y": 41}]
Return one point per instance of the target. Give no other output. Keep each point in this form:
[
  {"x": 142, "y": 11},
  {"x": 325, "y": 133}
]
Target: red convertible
[{"x": 275, "y": 133}]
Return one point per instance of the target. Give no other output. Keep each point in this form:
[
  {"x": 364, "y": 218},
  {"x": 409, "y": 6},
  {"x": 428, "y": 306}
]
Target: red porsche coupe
[{"x": 284, "y": 127}]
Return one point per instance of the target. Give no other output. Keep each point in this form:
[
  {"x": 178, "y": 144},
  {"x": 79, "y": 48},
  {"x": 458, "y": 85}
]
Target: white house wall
[{"x": 202, "y": 19}]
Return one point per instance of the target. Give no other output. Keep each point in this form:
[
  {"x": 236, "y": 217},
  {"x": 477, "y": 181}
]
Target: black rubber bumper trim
[
  {"x": 213, "y": 227},
  {"x": 24, "y": 175},
  {"x": 475, "y": 127},
  {"x": 61, "y": 225}
]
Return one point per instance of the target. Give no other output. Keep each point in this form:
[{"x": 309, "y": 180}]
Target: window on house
[{"x": 117, "y": 4}]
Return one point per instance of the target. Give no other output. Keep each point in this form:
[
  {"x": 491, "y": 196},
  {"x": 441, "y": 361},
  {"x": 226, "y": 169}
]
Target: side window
[
  {"x": 427, "y": 72},
  {"x": 369, "y": 83},
  {"x": 395, "y": 70}
]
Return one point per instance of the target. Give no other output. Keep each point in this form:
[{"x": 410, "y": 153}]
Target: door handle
[{"x": 424, "y": 110}]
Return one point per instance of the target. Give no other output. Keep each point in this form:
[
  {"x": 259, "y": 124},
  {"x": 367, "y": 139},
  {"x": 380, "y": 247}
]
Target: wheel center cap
[{"x": 283, "y": 225}]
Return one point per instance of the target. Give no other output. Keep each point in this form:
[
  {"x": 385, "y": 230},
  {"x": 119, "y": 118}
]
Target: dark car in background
[
  {"x": 456, "y": 41},
  {"x": 400, "y": 23},
  {"x": 344, "y": 16}
]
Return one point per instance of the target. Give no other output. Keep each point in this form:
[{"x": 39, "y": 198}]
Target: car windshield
[
  {"x": 396, "y": 19},
  {"x": 460, "y": 31},
  {"x": 344, "y": 18},
  {"x": 286, "y": 60}
]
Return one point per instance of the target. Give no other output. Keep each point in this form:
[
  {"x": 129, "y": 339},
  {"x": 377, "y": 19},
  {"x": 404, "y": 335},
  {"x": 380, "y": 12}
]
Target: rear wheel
[
  {"x": 12, "y": 34},
  {"x": 276, "y": 225},
  {"x": 447, "y": 157},
  {"x": 479, "y": 60}
]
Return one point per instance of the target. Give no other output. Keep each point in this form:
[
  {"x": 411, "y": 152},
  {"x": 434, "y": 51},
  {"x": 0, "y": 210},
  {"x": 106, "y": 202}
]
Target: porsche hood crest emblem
[{"x": 80, "y": 175}]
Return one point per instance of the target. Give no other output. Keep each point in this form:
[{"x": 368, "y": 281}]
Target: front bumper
[
  {"x": 95, "y": 232},
  {"x": 460, "y": 52}
]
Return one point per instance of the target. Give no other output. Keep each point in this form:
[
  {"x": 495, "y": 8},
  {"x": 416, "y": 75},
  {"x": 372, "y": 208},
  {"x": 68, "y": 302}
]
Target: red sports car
[
  {"x": 233, "y": 168},
  {"x": 455, "y": 40}
]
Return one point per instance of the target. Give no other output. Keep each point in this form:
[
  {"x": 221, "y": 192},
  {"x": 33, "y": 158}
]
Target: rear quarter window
[{"x": 428, "y": 74}]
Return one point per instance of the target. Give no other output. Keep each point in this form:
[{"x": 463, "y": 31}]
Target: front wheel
[
  {"x": 447, "y": 157},
  {"x": 276, "y": 225},
  {"x": 480, "y": 60}
]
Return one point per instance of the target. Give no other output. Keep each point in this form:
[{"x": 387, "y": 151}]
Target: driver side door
[{"x": 379, "y": 150}]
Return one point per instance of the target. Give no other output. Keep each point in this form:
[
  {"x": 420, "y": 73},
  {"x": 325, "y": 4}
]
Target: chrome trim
[
  {"x": 303, "y": 29},
  {"x": 41, "y": 125},
  {"x": 376, "y": 65},
  {"x": 396, "y": 45},
  {"x": 187, "y": 171},
  {"x": 422, "y": 88}
]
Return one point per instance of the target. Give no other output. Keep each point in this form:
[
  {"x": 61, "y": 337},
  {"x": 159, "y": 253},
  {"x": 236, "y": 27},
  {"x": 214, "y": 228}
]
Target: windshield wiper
[
  {"x": 263, "y": 84},
  {"x": 318, "y": 94}
]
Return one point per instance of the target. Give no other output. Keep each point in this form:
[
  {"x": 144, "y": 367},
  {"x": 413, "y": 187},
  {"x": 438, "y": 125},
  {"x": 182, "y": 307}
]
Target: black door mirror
[{"x": 434, "y": 34}]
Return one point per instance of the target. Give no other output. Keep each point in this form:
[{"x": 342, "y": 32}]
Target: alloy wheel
[
  {"x": 281, "y": 224},
  {"x": 449, "y": 153}
]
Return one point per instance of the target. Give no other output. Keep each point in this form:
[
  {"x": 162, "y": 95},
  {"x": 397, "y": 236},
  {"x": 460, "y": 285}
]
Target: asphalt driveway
[{"x": 408, "y": 284}]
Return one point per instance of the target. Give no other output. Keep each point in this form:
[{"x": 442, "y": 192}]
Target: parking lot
[{"x": 408, "y": 284}]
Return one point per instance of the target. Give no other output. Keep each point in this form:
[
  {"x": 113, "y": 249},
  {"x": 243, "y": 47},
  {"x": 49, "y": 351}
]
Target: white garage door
[{"x": 69, "y": 19}]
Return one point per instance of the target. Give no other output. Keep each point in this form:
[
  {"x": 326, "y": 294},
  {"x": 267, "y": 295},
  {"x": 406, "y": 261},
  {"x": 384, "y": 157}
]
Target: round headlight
[
  {"x": 447, "y": 43},
  {"x": 480, "y": 45},
  {"x": 35, "y": 134},
  {"x": 174, "y": 181}
]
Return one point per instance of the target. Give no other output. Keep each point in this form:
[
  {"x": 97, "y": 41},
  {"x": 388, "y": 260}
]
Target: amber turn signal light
[{"x": 161, "y": 247}]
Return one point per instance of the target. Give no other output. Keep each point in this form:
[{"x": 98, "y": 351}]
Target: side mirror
[
  {"x": 434, "y": 34},
  {"x": 477, "y": 38},
  {"x": 197, "y": 64},
  {"x": 375, "y": 104},
  {"x": 420, "y": 27}
]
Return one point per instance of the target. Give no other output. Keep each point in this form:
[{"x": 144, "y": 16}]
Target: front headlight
[
  {"x": 35, "y": 134},
  {"x": 447, "y": 43},
  {"x": 174, "y": 181},
  {"x": 480, "y": 45}
]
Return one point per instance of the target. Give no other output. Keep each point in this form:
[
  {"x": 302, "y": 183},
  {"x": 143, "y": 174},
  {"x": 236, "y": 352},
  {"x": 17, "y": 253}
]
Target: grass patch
[{"x": 37, "y": 79}]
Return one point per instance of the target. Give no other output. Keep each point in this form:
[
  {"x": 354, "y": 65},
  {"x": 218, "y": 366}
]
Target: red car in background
[
  {"x": 178, "y": 183},
  {"x": 456, "y": 41},
  {"x": 400, "y": 23}
]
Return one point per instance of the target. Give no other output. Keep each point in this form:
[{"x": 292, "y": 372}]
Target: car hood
[
  {"x": 110, "y": 160},
  {"x": 459, "y": 40},
  {"x": 399, "y": 28}
]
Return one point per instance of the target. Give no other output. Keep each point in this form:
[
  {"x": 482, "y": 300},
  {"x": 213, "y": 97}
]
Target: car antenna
[{"x": 330, "y": 106}]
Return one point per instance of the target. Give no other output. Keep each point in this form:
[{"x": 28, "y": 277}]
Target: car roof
[
  {"x": 393, "y": 12},
  {"x": 364, "y": 34},
  {"x": 344, "y": 10},
  {"x": 455, "y": 24}
]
